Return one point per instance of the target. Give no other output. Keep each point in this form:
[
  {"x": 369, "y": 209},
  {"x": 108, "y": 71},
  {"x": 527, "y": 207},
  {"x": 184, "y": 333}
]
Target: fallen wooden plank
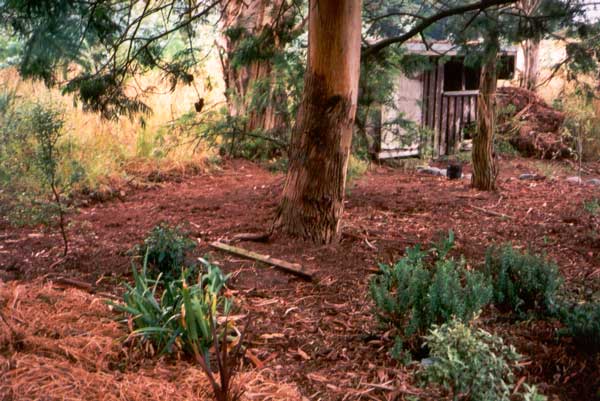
[{"x": 292, "y": 268}]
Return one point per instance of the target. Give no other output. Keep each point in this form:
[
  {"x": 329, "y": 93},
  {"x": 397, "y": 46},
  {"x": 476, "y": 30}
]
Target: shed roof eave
[{"x": 445, "y": 48}]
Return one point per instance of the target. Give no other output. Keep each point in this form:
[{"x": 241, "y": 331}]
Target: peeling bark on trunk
[
  {"x": 313, "y": 195},
  {"x": 250, "y": 18},
  {"x": 531, "y": 49},
  {"x": 485, "y": 169}
]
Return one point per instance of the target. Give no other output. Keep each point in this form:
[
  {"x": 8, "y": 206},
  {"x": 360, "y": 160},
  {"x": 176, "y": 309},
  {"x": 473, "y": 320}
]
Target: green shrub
[
  {"x": 592, "y": 206},
  {"x": 582, "y": 323},
  {"x": 581, "y": 128},
  {"x": 23, "y": 210},
  {"x": 34, "y": 173},
  {"x": 427, "y": 288},
  {"x": 231, "y": 136},
  {"x": 166, "y": 248},
  {"x": 31, "y": 163},
  {"x": 504, "y": 147},
  {"x": 522, "y": 281},
  {"x": 472, "y": 364}
]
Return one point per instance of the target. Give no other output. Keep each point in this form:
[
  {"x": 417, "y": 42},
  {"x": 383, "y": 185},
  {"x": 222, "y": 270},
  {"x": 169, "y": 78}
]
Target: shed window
[
  {"x": 472, "y": 76},
  {"x": 459, "y": 77},
  {"x": 506, "y": 67},
  {"x": 453, "y": 76}
]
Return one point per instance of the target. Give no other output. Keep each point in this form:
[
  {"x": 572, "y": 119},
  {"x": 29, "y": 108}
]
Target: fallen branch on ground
[
  {"x": 68, "y": 282},
  {"x": 292, "y": 268}
]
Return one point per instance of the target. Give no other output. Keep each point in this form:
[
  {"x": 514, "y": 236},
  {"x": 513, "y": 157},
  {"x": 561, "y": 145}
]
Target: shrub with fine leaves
[
  {"x": 582, "y": 323},
  {"x": 522, "y": 281},
  {"x": 428, "y": 287}
]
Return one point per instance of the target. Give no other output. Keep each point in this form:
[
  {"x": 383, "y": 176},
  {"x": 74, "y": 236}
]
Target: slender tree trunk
[
  {"x": 313, "y": 195},
  {"x": 244, "y": 20},
  {"x": 485, "y": 169},
  {"x": 530, "y": 48}
]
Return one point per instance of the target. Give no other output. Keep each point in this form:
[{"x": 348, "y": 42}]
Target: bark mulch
[{"x": 316, "y": 339}]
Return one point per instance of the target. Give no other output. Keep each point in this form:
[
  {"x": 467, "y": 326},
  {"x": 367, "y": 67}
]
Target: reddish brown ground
[{"x": 322, "y": 335}]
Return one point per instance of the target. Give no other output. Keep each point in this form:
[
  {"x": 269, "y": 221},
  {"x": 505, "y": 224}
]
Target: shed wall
[
  {"x": 422, "y": 100},
  {"x": 396, "y": 141}
]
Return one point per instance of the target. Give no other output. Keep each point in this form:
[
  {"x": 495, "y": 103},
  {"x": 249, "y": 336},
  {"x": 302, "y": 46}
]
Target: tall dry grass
[{"x": 111, "y": 151}]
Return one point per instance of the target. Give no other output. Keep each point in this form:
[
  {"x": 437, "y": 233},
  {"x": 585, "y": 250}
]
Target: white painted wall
[
  {"x": 551, "y": 53},
  {"x": 408, "y": 94}
]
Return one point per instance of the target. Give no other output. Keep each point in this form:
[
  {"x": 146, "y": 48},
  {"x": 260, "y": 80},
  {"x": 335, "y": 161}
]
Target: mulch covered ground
[{"x": 316, "y": 339}]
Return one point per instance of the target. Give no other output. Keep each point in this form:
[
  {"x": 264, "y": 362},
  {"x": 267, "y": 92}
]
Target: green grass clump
[
  {"x": 175, "y": 314},
  {"x": 592, "y": 206},
  {"x": 356, "y": 169}
]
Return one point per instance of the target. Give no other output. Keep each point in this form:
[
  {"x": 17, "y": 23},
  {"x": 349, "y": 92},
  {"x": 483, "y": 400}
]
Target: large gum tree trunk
[
  {"x": 484, "y": 166},
  {"x": 243, "y": 19},
  {"x": 313, "y": 195}
]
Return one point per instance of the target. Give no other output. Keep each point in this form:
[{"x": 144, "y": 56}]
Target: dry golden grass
[{"x": 106, "y": 149}]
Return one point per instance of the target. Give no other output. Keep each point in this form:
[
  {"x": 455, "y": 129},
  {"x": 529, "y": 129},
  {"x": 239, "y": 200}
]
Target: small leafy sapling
[{"x": 47, "y": 125}]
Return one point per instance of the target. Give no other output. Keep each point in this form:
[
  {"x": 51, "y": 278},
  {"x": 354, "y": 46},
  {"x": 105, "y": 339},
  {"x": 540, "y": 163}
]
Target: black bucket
[{"x": 454, "y": 171}]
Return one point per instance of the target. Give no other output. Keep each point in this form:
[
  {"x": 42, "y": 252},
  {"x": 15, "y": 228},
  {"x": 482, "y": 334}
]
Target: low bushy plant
[
  {"x": 231, "y": 136},
  {"x": 356, "y": 169},
  {"x": 426, "y": 288},
  {"x": 522, "y": 282},
  {"x": 504, "y": 147},
  {"x": 472, "y": 364},
  {"x": 582, "y": 323},
  {"x": 166, "y": 248}
]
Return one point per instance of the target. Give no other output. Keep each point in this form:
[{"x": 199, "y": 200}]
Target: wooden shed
[{"x": 442, "y": 98}]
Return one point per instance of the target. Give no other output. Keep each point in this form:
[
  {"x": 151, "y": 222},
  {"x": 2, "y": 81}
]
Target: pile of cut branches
[{"x": 531, "y": 126}]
